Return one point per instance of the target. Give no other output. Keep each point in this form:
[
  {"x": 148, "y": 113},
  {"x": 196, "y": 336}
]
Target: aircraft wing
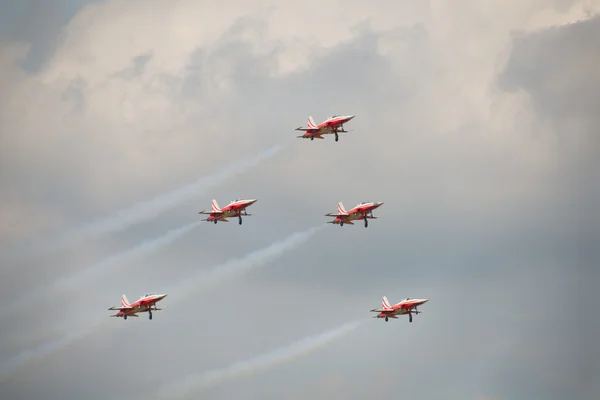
[
  {"x": 334, "y": 215},
  {"x": 304, "y": 129},
  {"x": 210, "y": 212},
  {"x": 121, "y": 308}
]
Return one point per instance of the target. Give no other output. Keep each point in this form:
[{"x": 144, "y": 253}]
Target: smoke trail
[
  {"x": 216, "y": 275},
  {"x": 150, "y": 209},
  {"x": 239, "y": 266},
  {"x": 240, "y": 369},
  {"x": 105, "y": 265},
  {"x": 38, "y": 353}
]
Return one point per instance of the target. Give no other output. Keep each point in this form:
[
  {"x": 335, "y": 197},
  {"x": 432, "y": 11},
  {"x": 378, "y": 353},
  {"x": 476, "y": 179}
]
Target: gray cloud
[
  {"x": 453, "y": 131},
  {"x": 555, "y": 67}
]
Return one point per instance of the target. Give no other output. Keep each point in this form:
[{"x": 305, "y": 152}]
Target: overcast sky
[{"x": 476, "y": 124}]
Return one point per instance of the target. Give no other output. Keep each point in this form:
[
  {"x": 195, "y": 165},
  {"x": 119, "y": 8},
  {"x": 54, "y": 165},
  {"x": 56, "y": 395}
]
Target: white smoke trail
[
  {"x": 239, "y": 266},
  {"x": 150, "y": 209},
  {"x": 103, "y": 266},
  {"x": 198, "y": 382},
  {"x": 216, "y": 275},
  {"x": 40, "y": 352}
]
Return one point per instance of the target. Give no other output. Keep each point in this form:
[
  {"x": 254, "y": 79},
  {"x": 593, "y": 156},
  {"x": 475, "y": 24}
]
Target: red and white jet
[
  {"x": 406, "y": 306},
  {"x": 144, "y": 304},
  {"x": 331, "y": 125},
  {"x": 363, "y": 210},
  {"x": 236, "y": 208}
]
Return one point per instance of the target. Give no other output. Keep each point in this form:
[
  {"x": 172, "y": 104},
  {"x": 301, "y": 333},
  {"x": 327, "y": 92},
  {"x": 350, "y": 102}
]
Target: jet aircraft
[
  {"x": 144, "y": 304},
  {"x": 406, "y": 306},
  {"x": 331, "y": 125},
  {"x": 236, "y": 208},
  {"x": 363, "y": 211}
]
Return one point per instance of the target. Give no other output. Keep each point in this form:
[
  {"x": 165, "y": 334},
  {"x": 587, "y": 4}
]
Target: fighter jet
[
  {"x": 144, "y": 304},
  {"x": 236, "y": 208},
  {"x": 406, "y": 306},
  {"x": 331, "y": 125},
  {"x": 363, "y": 211}
]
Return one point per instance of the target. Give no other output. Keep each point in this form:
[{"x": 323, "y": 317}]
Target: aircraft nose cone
[
  {"x": 350, "y": 117},
  {"x": 162, "y": 296},
  {"x": 425, "y": 301}
]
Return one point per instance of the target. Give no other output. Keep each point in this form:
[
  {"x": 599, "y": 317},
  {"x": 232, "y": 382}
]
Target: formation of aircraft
[
  {"x": 236, "y": 208},
  {"x": 406, "y": 306},
  {"x": 362, "y": 211},
  {"x": 143, "y": 304},
  {"x": 332, "y": 125}
]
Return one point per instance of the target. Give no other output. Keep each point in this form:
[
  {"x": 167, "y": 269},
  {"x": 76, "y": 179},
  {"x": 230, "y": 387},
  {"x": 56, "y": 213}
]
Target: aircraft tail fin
[
  {"x": 341, "y": 209},
  {"x": 385, "y": 304},
  {"x": 215, "y": 206},
  {"x": 311, "y": 122},
  {"x": 124, "y": 301}
]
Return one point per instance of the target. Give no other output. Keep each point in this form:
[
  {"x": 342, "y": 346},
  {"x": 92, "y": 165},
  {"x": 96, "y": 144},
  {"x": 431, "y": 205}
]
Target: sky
[{"x": 476, "y": 125}]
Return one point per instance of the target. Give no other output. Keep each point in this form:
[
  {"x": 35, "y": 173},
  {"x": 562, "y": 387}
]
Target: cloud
[
  {"x": 475, "y": 124},
  {"x": 556, "y": 68}
]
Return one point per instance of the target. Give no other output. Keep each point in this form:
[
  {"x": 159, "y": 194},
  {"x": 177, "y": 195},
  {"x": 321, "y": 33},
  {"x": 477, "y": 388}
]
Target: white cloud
[{"x": 141, "y": 97}]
